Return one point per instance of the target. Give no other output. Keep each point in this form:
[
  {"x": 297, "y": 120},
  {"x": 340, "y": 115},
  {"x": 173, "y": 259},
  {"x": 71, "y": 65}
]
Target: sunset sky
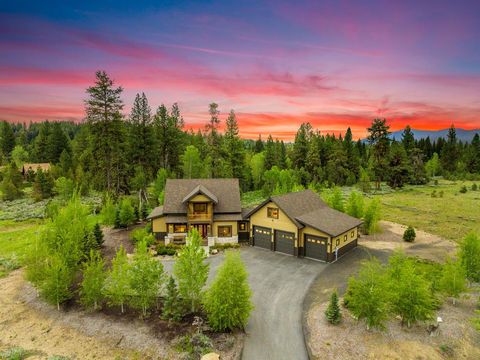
[{"x": 276, "y": 63}]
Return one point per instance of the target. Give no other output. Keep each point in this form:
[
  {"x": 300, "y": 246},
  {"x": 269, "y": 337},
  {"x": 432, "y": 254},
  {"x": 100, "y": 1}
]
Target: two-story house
[{"x": 212, "y": 206}]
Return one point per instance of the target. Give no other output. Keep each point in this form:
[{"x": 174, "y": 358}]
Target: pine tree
[
  {"x": 259, "y": 144},
  {"x": 40, "y": 145},
  {"x": 43, "y": 185},
  {"x": 234, "y": 150},
  {"x": 103, "y": 109},
  {"x": 332, "y": 312},
  {"x": 269, "y": 153},
  {"x": 7, "y": 139},
  {"x": 449, "y": 155},
  {"x": 146, "y": 278},
  {"x": 11, "y": 185},
  {"x": 93, "y": 279},
  {"x": 57, "y": 142},
  {"x": 98, "y": 233},
  {"x": 172, "y": 307},
  {"x": 300, "y": 146},
  {"x": 399, "y": 170},
  {"x": 228, "y": 300},
  {"x": 214, "y": 141},
  {"x": 378, "y": 139},
  {"x": 408, "y": 139},
  {"x": 117, "y": 284},
  {"x": 191, "y": 271}
]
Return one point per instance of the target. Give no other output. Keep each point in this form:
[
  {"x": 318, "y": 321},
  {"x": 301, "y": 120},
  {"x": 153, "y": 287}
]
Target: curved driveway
[{"x": 279, "y": 284}]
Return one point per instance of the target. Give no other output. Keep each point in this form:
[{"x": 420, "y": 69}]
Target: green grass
[{"x": 451, "y": 216}]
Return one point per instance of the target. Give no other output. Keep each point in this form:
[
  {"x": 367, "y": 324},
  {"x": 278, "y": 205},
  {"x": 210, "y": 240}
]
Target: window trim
[
  {"x": 345, "y": 238},
  {"x": 179, "y": 232},
  {"x": 337, "y": 242},
  {"x": 205, "y": 205},
  {"x": 352, "y": 234},
  {"x": 270, "y": 210},
  {"x": 224, "y": 226}
]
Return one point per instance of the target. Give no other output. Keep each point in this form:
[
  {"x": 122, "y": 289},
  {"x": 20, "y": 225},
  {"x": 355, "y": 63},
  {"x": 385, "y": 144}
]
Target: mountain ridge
[{"x": 462, "y": 134}]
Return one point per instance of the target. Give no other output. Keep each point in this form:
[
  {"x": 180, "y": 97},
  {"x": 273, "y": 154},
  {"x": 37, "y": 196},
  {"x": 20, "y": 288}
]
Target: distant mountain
[{"x": 462, "y": 134}]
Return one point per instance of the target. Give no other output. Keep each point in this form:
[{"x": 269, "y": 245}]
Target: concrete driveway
[{"x": 279, "y": 284}]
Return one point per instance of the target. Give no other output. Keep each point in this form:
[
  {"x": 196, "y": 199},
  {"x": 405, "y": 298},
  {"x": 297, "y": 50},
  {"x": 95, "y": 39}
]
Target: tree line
[{"x": 120, "y": 153}]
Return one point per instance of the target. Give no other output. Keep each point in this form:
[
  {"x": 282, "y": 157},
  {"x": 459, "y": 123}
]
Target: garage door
[
  {"x": 316, "y": 247},
  {"x": 262, "y": 237},
  {"x": 284, "y": 242}
]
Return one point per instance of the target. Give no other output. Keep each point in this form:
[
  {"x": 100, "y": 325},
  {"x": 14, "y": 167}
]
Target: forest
[{"x": 119, "y": 153}]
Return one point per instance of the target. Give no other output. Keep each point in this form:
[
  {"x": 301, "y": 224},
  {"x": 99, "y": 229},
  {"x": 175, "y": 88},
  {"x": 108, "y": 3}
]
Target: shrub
[
  {"x": 14, "y": 353},
  {"x": 108, "y": 212},
  {"x": 98, "y": 233},
  {"x": 126, "y": 213},
  {"x": 332, "y": 312},
  {"x": 409, "y": 235},
  {"x": 463, "y": 189},
  {"x": 435, "y": 182},
  {"x": 434, "y": 194},
  {"x": 440, "y": 193},
  {"x": 138, "y": 234},
  {"x": 166, "y": 250},
  {"x": 474, "y": 187},
  {"x": 227, "y": 301},
  {"x": 64, "y": 188},
  {"x": 195, "y": 345}
]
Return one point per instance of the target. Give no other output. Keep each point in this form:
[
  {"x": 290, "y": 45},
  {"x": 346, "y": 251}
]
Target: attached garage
[
  {"x": 284, "y": 242},
  {"x": 316, "y": 247},
  {"x": 262, "y": 237}
]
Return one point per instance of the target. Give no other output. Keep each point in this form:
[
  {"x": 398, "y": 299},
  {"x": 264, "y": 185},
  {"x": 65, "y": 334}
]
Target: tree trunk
[{"x": 122, "y": 307}]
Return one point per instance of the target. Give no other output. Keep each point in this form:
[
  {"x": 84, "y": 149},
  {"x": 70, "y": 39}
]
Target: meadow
[{"x": 438, "y": 209}]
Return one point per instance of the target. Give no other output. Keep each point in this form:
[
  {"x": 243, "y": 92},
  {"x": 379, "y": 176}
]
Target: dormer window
[{"x": 199, "y": 208}]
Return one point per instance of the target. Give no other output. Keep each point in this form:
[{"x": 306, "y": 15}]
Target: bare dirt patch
[
  {"x": 114, "y": 238},
  {"x": 426, "y": 246},
  {"x": 455, "y": 339},
  {"x": 28, "y": 322}
]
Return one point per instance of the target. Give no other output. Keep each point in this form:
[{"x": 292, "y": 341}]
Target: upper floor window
[
  {"x": 272, "y": 213},
  {"x": 199, "y": 208}
]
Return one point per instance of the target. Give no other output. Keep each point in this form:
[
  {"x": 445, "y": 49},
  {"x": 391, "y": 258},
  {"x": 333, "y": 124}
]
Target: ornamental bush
[
  {"x": 409, "y": 235},
  {"x": 332, "y": 312}
]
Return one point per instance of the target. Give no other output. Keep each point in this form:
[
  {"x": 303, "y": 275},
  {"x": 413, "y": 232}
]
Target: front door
[{"x": 202, "y": 230}]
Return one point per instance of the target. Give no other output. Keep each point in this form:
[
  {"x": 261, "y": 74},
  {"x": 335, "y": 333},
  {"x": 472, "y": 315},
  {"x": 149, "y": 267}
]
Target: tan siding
[
  {"x": 233, "y": 224},
  {"x": 341, "y": 239},
  {"x": 260, "y": 218},
  {"x": 159, "y": 225},
  {"x": 200, "y": 198}
]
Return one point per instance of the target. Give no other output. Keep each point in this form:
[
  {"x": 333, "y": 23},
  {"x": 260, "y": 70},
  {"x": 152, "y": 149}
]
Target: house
[
  {"x": 34, "y": 168},
  {"x": 212, "y": 206},
  {"x": 301, "y": 224},
  {"x": 298, "y": 224}
]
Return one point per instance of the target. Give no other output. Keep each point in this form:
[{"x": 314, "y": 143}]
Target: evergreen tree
[
  {"x": 379, "y": 141},
  {"x": 352, "y": 155},
  {"x": 43, "y": 185},
  {"x": 117, "y": 284},
  {"x": 282, "y": 156},
  {"x": 40, "y": 145},
  {"x": 234, "y": 147},
  {"x": 57, "y": 142},
  {"x": 398, "y": 166},
  {"x": 449, "y": 155},
  {"x": 126, "y": 213},
  {"x": 214, "y": 142},
  {"x": 11, "y": 185},
  {"x": 191, "y": 271},
  {"x": 146, "y": 277},
  {"x": 419, "y": 172},
  {"x": 7, "y": 139},
  {"x": 259, "y": 145},
  {"x": 93, "y": 279},
  {"x": 301, "y": 144},
  {"x": 172, "y": 307},
  {"x": 98, "y": 233},
  {"x": 332, "y": 312},
  {"x": 103, "y": 108},
  {"x": 269, "y": 153},
  {"x": 159, "y": 183},
  {"x": 408, "y": 139},
  {"x": 227, "y": 301}
]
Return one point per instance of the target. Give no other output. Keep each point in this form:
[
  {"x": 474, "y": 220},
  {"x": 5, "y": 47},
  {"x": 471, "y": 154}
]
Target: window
[
  {"x": 272, "y": 213},
  {"x": 242, "y": 226},
  {"x": 352, "y": 234},
  {"x": 345, "y": 238},
  {"x": 225, "y": 231},
  {"x": 199, "y": 208},
  {"x": 337, "y": 242},
  {"x": 179, "y": 228}
]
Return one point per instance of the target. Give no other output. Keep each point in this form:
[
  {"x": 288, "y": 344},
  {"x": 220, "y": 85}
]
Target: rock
[
  {"x": 214, "y": 251},
  {"x": 211, "y": 356}
]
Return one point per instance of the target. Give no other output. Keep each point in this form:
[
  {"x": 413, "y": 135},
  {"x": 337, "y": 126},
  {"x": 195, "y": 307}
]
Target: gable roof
[
  {"x": 156, "y": 213},
  {"x": 226, "y": 191},
  {"x": 306, "y": 208},
  {"x": 200, "y": 189}
]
